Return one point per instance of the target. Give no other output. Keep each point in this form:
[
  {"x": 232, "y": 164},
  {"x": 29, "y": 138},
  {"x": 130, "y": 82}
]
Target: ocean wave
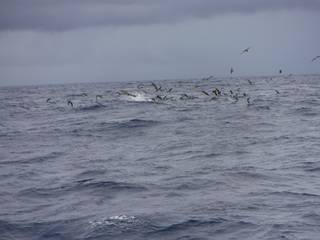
[
  {"x": 132, "y": 123},
  {"x": 306, "y": 111},
  {"x": 114, "y": 220},
  {"x": 94, "y": 187},
  {"x": 34, "y": 159},
  {"x": 90, "y": 107},
  {"x": 136, "y": 97}
]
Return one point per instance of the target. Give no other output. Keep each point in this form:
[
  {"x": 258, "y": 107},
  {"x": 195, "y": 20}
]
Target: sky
[{"x": 68, "y": 41}]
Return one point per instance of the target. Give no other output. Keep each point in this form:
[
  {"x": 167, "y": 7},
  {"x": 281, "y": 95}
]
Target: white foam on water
[
  {"x": 113, "y": 220},
  {"x": 138, "y": 97}
]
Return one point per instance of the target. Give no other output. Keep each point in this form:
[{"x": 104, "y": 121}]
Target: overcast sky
[{"x": 59, "y": 41}]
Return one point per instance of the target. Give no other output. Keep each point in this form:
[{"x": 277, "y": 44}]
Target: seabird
[
  {"x": 48, "y": 99},
  {"x": 156, "y": 87},
  {"x": 315, "y": 58},
  {"x": 98, "y": 96},
  {"x": 70, "y": 103},
  {"x": 280, "y": 71},
  {"x": 186, "y": 96},
  {"x": 231, "y": 70},
  {"x": 159, "y": 97},
  {"x": 207, "y": 78},
  {"x": 248, "y": 100},
  {"x": 249, "y": 81},
  {"x": 215, "y": 91},
  {"x": 246, "y": 50},
  {"x": 204, "y": 92},
  {"x": 276, "y": 91},
  {"x": 141, "y": 85}
]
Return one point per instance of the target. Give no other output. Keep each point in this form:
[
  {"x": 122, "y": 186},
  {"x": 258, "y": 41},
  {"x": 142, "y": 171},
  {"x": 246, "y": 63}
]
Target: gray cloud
[{"x": 70, "y": 14}]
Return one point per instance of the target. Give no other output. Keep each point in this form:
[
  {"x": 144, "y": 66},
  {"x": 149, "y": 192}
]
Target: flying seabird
[
  {"x": 207, "y": 78},
  {"x": 48, "y": 99},
  {"x": 99, "y": 96},
  {"x": 249, "y": 81},
  {"x": 140, "y": 85},
  {"x": 215, "y": 92},
  {"x": 70, "y": 103},
  {"x": 204, "y": 92},
  {"x": 156, "y": 87},
  {"x": 315, "y": 58},
  {"x": 246, "y": 50}
]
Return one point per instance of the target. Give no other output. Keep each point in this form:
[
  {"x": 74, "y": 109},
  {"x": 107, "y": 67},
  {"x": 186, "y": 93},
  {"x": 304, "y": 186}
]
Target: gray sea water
[{"x": 144, "y": 162}]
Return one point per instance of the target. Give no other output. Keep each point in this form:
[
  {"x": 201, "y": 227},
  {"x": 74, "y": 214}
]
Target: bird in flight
[
  {"x": 246, "y": 50},
  {"x": 315, "y": 58}
]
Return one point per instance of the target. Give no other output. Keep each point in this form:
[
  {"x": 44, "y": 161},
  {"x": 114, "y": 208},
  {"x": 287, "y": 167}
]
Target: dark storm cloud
[{"x": 73, "y": 14}]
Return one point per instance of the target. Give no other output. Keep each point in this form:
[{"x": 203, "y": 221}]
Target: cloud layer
[{"x": 61, "y": 15}]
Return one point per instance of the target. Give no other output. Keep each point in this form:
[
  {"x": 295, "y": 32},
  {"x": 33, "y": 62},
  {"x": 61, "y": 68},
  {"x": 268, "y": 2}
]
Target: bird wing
[
  {"x": 246, "y": 50},
  {"x": 315, "y": 58}
]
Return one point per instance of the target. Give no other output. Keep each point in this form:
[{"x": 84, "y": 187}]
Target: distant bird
[
  {"x": 276, "y": 91},
  {"x": 140, "y": 85},
  {"x": 48, "y": 99},
  {"x": 245, "y": 50},
  {"x": 156, "y": 87},
  {"x": 185, "y": 96},
  {"x": 70, "y": 103},
  {"x": 159, "y": 97},
  {"x": 204, "y": 92},
  {"x": 215, "y": 92},
  {"x": 231, "y": 70},
  {"x": 280, "y": 71},
  {"x": 249, "y": 81},
  {"x": 315, "y": 58},
  {"x": 98, "y": 96},
  {"x": 248, "y": 100},
  {"x": 207, "y": 78}
]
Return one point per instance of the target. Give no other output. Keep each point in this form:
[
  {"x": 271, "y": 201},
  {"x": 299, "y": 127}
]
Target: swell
[
  {"x": 35, "y": 159},
  {"x": 86, "y": 185}
]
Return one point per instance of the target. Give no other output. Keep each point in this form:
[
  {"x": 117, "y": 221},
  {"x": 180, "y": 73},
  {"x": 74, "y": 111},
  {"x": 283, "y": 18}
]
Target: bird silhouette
[
  {"x": 315, "y": 58},
  {"x": 245, "y": 50}
]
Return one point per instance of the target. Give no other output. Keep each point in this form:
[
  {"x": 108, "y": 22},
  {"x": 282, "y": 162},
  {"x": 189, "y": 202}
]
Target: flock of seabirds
[{"x": 161, "y": 94}]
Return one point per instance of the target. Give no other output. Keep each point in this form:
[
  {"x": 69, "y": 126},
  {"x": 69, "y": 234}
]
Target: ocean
[{"x": 217, "y": 158}]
